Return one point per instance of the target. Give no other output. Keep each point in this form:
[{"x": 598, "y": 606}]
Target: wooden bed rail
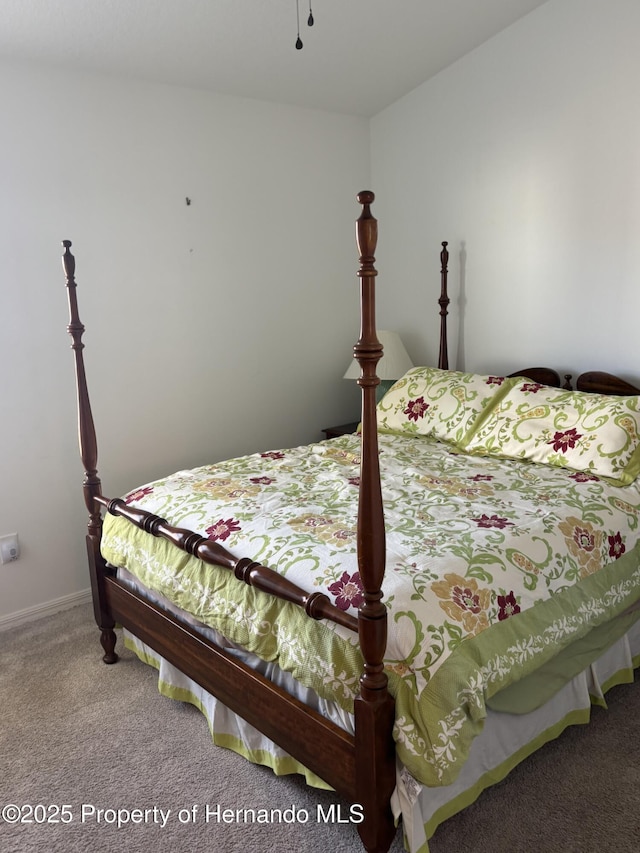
[{"x": 317, "y": 605}]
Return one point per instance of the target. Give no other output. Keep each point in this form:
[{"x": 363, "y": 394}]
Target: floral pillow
[
  {"x": 445, "y": 404},
  {"x": 593, "y": 433}
]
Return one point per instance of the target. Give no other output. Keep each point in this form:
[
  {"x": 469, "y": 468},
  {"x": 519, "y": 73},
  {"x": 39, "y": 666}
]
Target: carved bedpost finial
[
  {"x": 366, "y": 234},
  {"x": 68, "y": 262},
  {"x": 443, "y": 356},
  {"x": 75, "y": 327},
  {"x": 368, "y": 350},
  {"x": 444, "y": 255}
]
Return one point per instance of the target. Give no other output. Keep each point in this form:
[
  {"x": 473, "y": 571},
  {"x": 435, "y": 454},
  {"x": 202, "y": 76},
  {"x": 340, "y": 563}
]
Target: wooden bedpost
[
  {"x": 443, "y": 356},
  {"x": 89, "y": 456},
  {"x": 374, "y": 707}
]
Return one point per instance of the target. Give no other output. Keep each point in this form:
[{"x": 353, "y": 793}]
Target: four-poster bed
[{"x": 369, "y": 759}]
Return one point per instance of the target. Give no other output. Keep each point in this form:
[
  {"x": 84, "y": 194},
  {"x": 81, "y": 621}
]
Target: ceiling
[{"x": 360, "y": 55}]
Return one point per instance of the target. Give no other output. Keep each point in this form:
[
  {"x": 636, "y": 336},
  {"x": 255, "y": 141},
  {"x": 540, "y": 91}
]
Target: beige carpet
[{"x": 74, "y": 731}]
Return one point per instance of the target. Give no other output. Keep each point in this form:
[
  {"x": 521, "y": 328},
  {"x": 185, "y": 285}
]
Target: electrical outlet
[{"x": 9, "y": 548}]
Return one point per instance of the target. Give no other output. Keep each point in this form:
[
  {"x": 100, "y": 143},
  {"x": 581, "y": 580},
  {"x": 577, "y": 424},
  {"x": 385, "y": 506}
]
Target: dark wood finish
[
  {"x": 371, "y": 544},
  {"x": 600, "y": 382},
  {"x": 375, "y": 770},
  {"x": 443, "y": 354},
  {"x": 342, "y": 429},
  {"x": 374, "y": 707},
  {"x": 541, "y": 375},
  {"x": 89, "y": 456},
  {"x": 361, "y": 768}
]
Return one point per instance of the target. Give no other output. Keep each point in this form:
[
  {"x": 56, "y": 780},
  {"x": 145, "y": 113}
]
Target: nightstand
[{"x": 343, "y": 429}]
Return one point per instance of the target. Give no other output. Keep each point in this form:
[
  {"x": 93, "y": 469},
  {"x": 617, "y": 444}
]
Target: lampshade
[{"x": 394, "y": 363}]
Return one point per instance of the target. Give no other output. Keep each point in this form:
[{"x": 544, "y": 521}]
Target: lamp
[{"x": 394, "y": 363}]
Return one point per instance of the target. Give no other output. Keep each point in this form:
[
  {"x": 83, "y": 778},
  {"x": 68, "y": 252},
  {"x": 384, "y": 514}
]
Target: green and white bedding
[{"x": 495, "y": 568}]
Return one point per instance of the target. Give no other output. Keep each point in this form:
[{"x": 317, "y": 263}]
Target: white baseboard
[{"x": 39, "y": 611}]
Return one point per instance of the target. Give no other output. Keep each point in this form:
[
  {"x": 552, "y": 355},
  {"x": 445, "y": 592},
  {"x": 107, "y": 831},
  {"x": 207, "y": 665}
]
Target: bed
[{"x": 441, "y": 578}]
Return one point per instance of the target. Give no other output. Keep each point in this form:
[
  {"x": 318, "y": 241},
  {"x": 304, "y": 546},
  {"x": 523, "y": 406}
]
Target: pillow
[
  {"x": 444, "y": 404},
  {"x": 592, "y": 433}
]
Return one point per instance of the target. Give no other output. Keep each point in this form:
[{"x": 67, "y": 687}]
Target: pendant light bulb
[{"x": 299, "y": 44}]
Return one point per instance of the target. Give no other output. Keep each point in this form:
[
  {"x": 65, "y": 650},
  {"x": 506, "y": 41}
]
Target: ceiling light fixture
[{"x": 310, "y": 23}]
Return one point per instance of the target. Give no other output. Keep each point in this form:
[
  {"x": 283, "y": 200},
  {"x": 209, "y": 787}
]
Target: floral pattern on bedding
[{"x": 493, "y": 568}]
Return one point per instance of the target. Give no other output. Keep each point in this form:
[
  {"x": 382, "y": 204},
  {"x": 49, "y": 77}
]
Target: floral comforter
[{"x": 494, "y": 568}]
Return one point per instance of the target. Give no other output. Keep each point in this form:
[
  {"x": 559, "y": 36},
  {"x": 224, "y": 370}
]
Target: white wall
[
  {"x": 213, "y": 329},
  {"x": 526, "y": 156}
]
